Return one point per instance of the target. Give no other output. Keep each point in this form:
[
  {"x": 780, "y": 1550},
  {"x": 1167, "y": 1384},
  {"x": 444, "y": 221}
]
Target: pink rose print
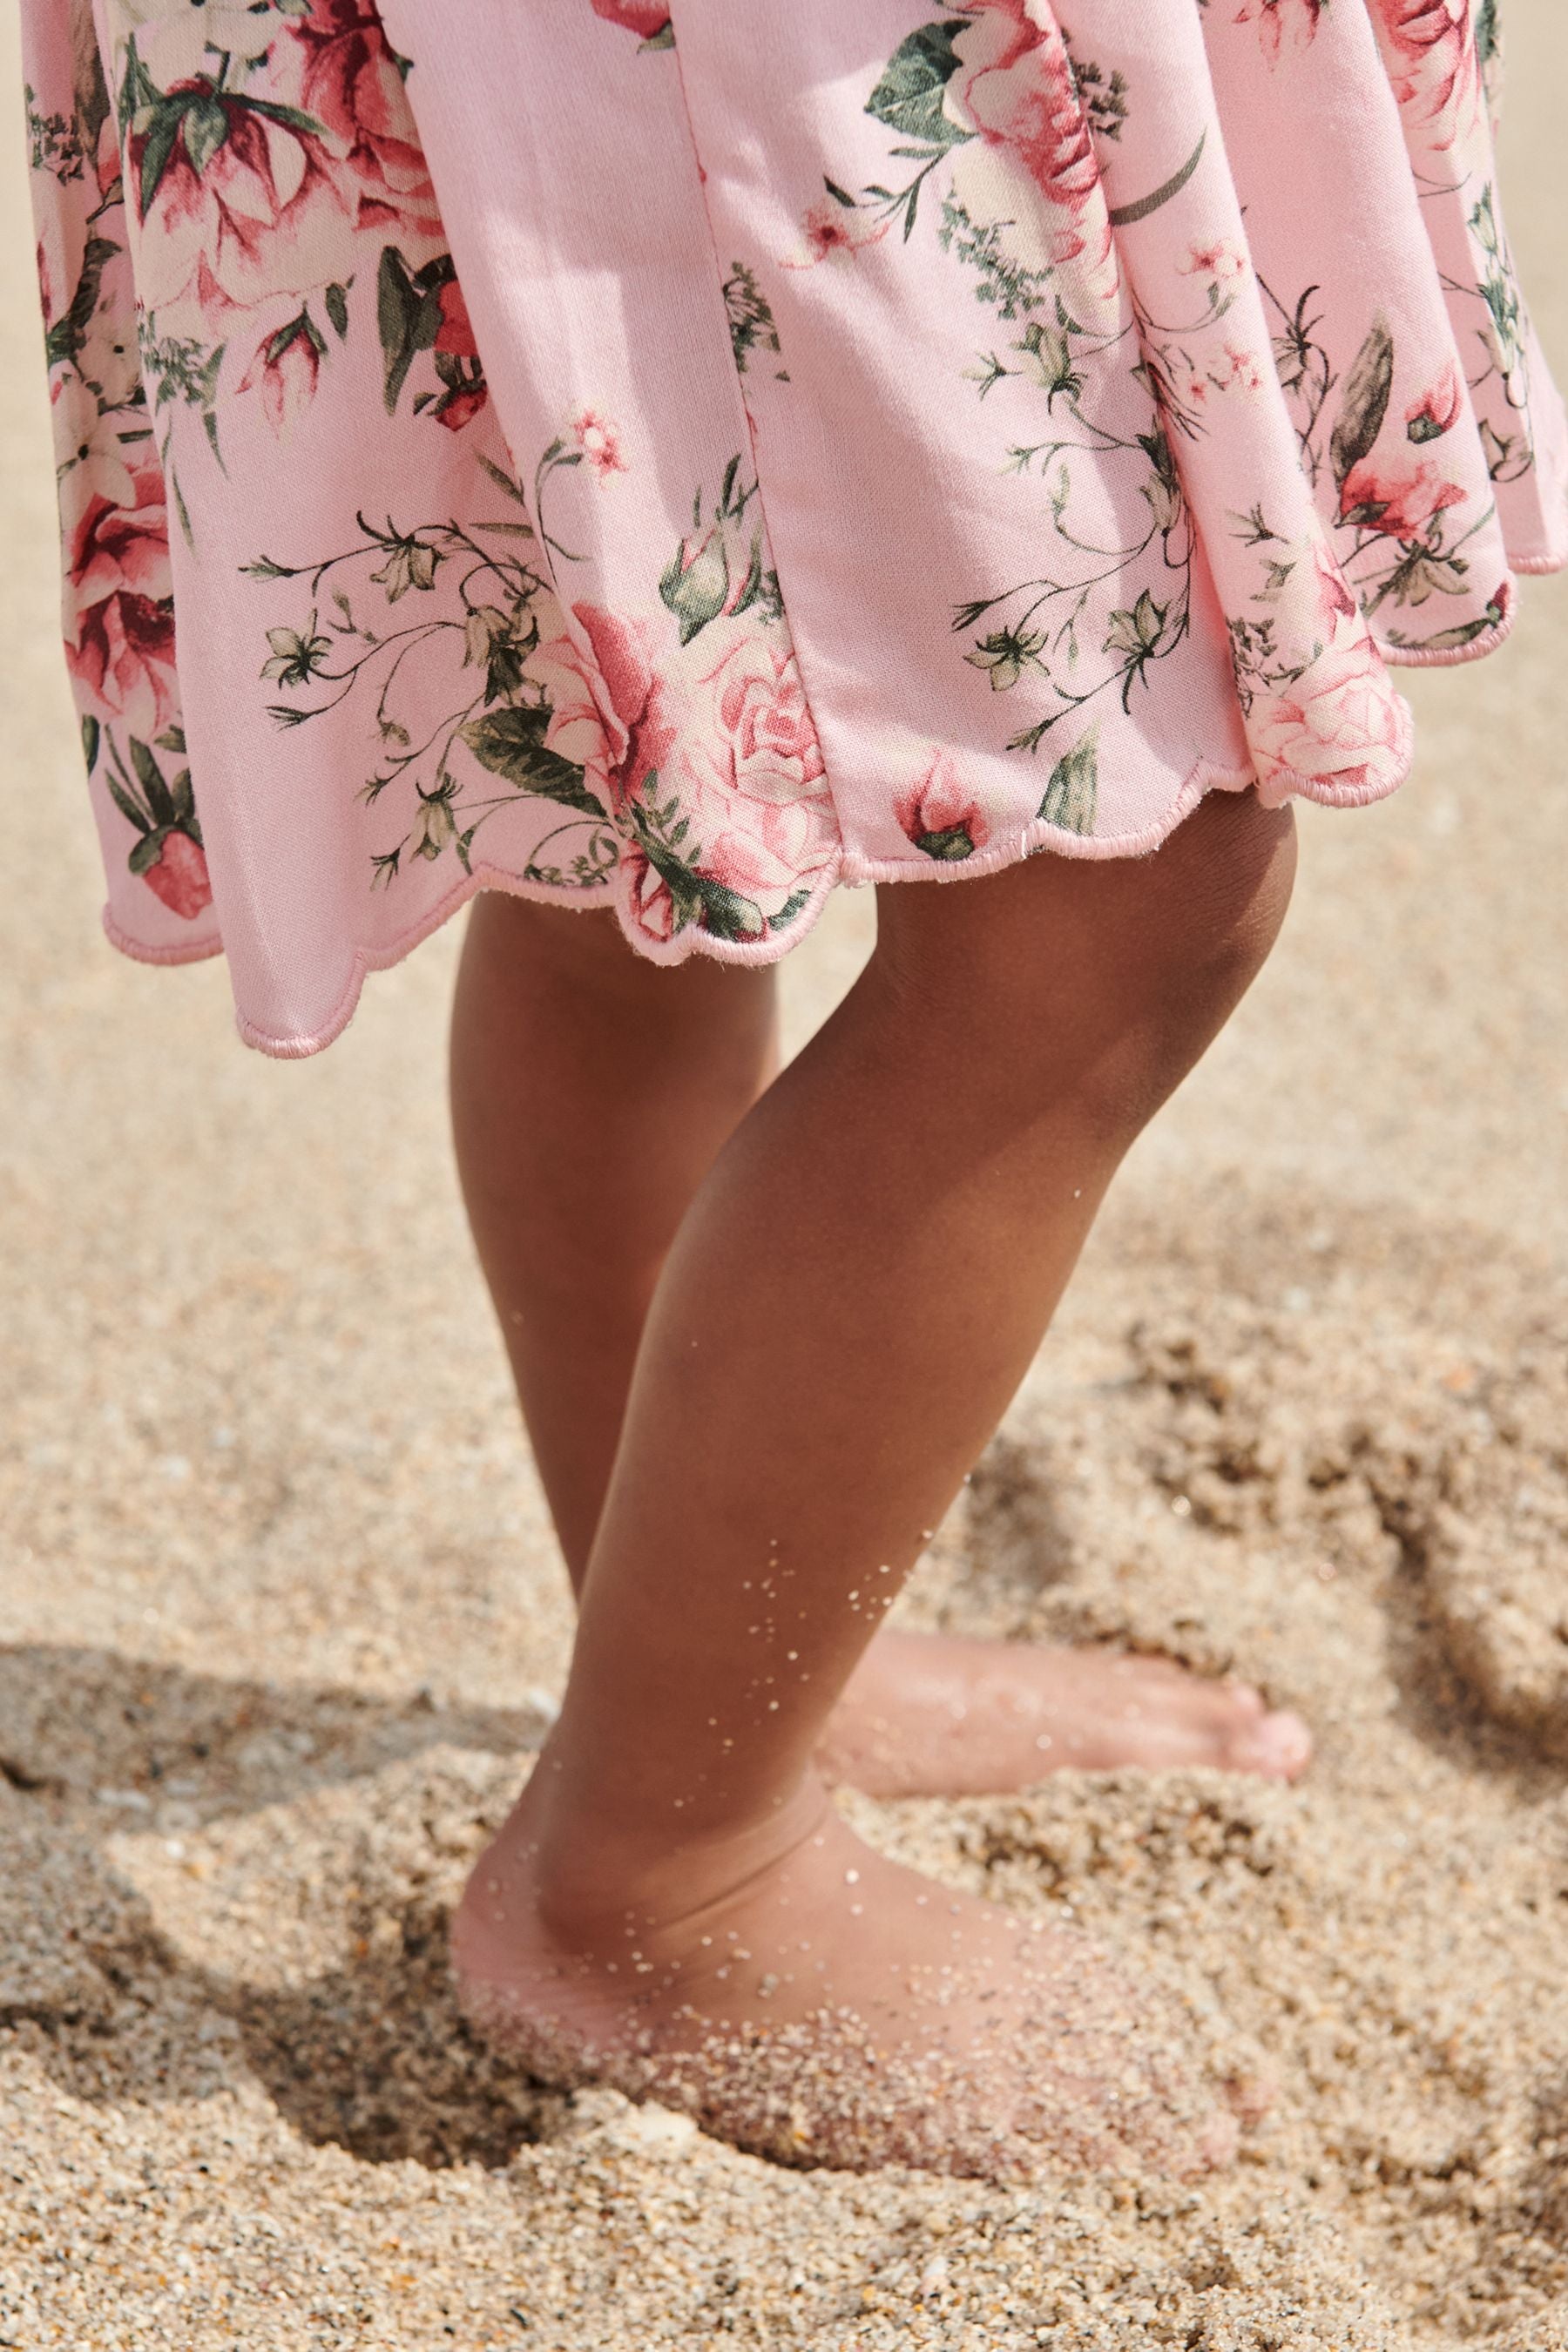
[
  {"x": 1437, "y": 411},
  {"x": 247, "y": 193},
  {"x": 1337, "y": 599},
  {"x": 738, "y": 698},
  {"x": 261, "y": 212},
  {"x": 124, "y": 658},
  {"x": 159, "y": 807},
  {"x": 1435, "y": 63},
  {"x": 1341, "y": 725},
  {"x": 178, "y": 875},
  {"x": 287, "y": 367},
  {"x": 599, "y": 700},
  {"x": 119, "y": 584},
  {"x": 717, "y": 729},
  {"x": 1401, "y": 499},
  {"x": 455, "y": 337},
  {"x": 770, "y": 744},
  {"x": 1276, "y": 19},
  {"x": 455, "y": 333},
  {"x": 461, "y": 408},
  {"x": 940, "y": 816},
  {"x": 1014, "y": 89},
  {"x": 648, "y": 17},
  {"x": 353, "y": 84},
  {"x": 737, "y": 862}
]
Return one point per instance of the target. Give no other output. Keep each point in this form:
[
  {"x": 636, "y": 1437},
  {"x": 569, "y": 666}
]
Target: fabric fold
[
  {"x": 681, "y": 454},
  {"x": 1442, "y": 59}
]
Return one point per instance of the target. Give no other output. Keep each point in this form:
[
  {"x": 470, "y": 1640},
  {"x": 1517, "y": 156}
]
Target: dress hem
[{"x": 849, "y": 868}]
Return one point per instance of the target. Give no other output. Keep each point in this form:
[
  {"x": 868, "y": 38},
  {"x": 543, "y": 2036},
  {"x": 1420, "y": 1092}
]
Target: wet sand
[{"x": 280, "y": 1618}]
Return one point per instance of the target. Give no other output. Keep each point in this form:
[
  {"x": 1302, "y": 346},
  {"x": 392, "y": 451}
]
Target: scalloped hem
[
  {"x": 850, "y": 870},
  {"x": 1533, "y": 567},
  {"x": 1536, "y": 567},
  {"x": 200, "y": 949}
]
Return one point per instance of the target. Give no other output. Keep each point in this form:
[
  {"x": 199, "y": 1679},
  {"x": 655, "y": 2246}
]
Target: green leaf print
[
  {"x": 1074, "y": 787},
  {"x": 695, "y": 897},
  {"x": 161, "y": 137},
  {"x": 1122, "y": 215},
  {"x": 1365, "y": 402},
  {"x": 1464, "y": 634},
  {"x": 68, "y": 333},
  {"x": 909, "y": 98},
  {"x": 952, "y": 843},
  {"x": 155, "y": 807},
  {"x": 145, "y": 853},
  {"x": 510, "y": 743},
  {"x": 1497, "y": 288},
  {"x": 791, "y": 907},
  {"x": 207, "y": 127},
  {"x": 1488, "y": 34},
  {"x": 408, "y": 312},
  {"x": 725, "y": 915},
  {"x": 1102, "y": 96},
  {"x": 1009, "y": 284},
  {"x": 752, "y": 324},
  {"x": 149, "y": 776},
  {"x": 122, "y": 801},
  {"x": 137, "y": 89},
  {"x": 53, "y": 145}
]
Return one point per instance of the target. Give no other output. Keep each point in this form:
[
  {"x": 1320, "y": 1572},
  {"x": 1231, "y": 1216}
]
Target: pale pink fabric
[{"x": 689, "y": 453}]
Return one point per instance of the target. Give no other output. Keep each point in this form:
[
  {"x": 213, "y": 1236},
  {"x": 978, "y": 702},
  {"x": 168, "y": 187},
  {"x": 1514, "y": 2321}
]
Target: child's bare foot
[
  {"x": 828, "y": 2007},
  {"x": 929, "y": 1715},
  {"x": 936, "y": 1715}
]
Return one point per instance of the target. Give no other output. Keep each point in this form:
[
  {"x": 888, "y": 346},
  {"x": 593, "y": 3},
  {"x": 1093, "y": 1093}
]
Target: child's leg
[
  {"x": 591, "y": 1092},
  {"x": 861, "y": 1282}
]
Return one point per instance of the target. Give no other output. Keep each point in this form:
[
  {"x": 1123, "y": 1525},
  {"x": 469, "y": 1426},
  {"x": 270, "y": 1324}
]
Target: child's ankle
[{"x": 588, "y": 1874}]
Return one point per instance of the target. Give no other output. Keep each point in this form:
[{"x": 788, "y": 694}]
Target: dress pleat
[{"x": 683, "y": 454}]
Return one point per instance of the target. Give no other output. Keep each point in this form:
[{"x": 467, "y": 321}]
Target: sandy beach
[{"x": 281, "y": 1619}]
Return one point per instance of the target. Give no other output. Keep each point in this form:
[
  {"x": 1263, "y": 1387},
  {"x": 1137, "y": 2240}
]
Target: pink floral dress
[{"x": 682, "y": 455}]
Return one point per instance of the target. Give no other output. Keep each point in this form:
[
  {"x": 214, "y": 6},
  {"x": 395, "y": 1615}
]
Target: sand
[{"x": 280, "y": 1619}]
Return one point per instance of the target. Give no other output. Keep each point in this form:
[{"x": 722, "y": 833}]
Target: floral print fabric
[{"x": 688, "y": 453}]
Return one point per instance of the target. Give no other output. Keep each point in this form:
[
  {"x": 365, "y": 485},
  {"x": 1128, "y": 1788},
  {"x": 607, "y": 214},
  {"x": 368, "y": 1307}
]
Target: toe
[
  {"x": 1278, "y": 1746},
  {"x": 1217, "y": 2142},
  {"x": 1249, "y": 2097}
]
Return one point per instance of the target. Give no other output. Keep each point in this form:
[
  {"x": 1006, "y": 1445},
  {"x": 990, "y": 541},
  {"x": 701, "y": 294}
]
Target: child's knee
[
  {"x": 1105, "y": 977},
  {"x": 1222, "y": 885},
  {"x": 1196, "y": 939}
]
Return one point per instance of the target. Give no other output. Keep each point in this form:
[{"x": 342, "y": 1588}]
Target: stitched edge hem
[
  {"x": 848, "y": 869},
  {"x": 201, "y": 950}
]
